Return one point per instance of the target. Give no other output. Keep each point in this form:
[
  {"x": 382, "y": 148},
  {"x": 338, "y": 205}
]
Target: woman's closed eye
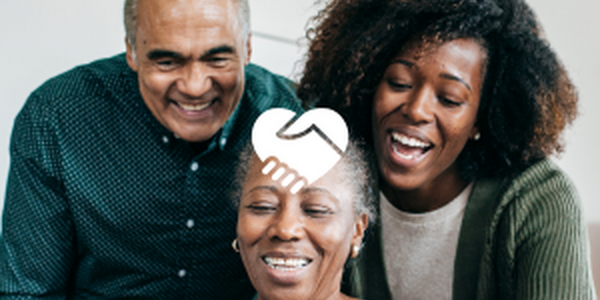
[
  {"x": 449, "y": 102},
  {"x": 317, "y": 211},
  {"x": 262, "y": 208},
  {"x": 399, "y": 85}
]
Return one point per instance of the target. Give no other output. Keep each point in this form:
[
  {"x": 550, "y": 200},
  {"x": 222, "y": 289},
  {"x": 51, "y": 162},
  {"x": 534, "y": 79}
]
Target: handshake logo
[{"x": 299, "y": 151}]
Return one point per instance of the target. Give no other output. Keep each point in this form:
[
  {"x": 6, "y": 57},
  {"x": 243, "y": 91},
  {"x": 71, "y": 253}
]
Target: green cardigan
[{"x": 521, "y": 238}]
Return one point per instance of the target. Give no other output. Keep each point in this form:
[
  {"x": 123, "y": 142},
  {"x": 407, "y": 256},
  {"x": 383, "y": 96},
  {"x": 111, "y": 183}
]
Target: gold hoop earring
[
  {"x": 477, "y": 136},
  {"x": 355, "y": 251},
  {"x": 235, "y": 246}
]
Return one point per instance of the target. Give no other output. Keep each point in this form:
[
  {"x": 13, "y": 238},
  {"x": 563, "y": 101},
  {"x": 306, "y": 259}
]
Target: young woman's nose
[{"x": 419, "y": 107}]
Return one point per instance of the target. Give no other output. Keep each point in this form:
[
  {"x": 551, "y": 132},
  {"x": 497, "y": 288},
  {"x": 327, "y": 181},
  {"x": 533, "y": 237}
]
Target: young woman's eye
[
  {"x": 449, "y": 102},
  {"x": 399, "y": 85}
]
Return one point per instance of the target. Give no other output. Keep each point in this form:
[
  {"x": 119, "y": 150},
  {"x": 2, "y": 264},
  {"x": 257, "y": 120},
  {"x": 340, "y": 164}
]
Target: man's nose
[{"x": 195, "y": 81}]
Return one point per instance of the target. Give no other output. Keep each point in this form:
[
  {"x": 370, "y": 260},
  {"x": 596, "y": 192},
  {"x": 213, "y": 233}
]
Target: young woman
[{"x": 461, "y": 102}]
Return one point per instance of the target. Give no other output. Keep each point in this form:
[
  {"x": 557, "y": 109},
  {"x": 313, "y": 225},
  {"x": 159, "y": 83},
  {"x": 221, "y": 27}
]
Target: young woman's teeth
[
  {"x": 285, "y": 264},
  {"x": 197, "y": 107},
  {"x": 408, "y": 141}
]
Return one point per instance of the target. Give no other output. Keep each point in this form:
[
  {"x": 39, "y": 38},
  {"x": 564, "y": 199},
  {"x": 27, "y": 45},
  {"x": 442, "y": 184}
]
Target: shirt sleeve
[
  {"x": 37, "y": 245},
  {"x": 551, "y": 256}
]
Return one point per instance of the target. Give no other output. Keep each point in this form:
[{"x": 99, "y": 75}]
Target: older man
[{"x": 120, "y": 169}]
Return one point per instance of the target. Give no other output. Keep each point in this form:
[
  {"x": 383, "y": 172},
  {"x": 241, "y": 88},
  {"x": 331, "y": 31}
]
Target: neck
[{"x": 427, "y": 197}]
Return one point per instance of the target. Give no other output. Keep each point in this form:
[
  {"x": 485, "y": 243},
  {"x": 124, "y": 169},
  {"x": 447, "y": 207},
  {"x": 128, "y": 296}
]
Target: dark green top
[
  {"x": 521, "y": 237},
  {"x": 103, "y": 202}
]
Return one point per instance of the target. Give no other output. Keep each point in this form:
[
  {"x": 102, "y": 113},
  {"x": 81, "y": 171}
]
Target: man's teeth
[
  {"x": 408, "y": 141},
  {"x": 285, "y": 264},
  {"x": 197, "y": 107}
]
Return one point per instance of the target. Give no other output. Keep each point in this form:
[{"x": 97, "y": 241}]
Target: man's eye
[
  {"x": 218, "y": 61},
  {"x": 165, "y": 64}
]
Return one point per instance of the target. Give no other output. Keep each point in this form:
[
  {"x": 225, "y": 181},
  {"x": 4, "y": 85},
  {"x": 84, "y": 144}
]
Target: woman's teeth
[
  {"x": 409, "y": 141},
  {"x": 197, "y": 107},
  {"x": 286, "y": 264}
]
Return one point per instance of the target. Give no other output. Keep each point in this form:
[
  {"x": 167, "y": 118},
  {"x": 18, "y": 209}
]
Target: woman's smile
[{"x": 424, "y": 112}]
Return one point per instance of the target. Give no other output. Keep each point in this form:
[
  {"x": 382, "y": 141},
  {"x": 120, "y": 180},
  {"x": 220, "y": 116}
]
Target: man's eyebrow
[
  {"x": 219, "y": 50},
  {"x": 160, "y": 53},
  {"x": 456, "y": 78}
]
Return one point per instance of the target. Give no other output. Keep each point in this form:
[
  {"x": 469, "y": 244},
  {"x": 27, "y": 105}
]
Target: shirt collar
[{"x": 222, "y": 137}]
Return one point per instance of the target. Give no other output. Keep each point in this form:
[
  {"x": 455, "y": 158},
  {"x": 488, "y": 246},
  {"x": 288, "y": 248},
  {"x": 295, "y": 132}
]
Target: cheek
[
  {"x": 155, "y": 83},
  {"x": 335, "y": 238},
  {"x": 249, "y": 229}
]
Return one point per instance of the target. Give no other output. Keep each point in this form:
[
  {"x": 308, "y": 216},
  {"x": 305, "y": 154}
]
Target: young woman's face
[
  {"x": 424, "y": 112},
  {"x": 294, "y": 246}
]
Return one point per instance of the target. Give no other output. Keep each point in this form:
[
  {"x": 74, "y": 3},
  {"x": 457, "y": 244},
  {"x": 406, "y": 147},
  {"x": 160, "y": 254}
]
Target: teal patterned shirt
[{"x": 103, "y": 202}]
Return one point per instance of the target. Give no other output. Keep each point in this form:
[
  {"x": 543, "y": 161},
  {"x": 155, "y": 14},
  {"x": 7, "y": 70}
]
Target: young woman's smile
[{"x": 424, "y": 112}]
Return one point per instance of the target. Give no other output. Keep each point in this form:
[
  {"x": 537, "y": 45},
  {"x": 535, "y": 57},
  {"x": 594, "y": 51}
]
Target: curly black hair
[{"x": 527, "y": 98}]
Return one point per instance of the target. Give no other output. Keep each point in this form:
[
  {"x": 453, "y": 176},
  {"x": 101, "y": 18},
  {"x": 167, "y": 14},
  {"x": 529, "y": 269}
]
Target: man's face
[{"x": 190, "y": 57}]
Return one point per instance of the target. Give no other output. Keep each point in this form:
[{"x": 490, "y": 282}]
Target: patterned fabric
[
  {"x": 103, "y": 202},
  {"x": 521, "y": 238}
]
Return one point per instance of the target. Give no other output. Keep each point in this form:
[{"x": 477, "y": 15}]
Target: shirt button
[
  {"x": 165, "y": 139},
  {"x": 194, "y": 166},
  {"x": 182, "y": 273},
  {"x": 190, "y": 223},
  {"x": 223, "y": 142}
]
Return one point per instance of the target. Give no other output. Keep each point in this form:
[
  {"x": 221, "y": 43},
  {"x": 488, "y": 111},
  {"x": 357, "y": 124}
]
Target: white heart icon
[{"x": 310, "y": 145}]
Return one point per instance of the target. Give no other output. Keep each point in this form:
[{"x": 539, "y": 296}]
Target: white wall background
[{"x": 41, "y": 38}]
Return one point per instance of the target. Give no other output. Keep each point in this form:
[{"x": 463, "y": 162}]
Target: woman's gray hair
[
  {"x": 354, "y": 165},
  {"x": 130, "y": 12}
]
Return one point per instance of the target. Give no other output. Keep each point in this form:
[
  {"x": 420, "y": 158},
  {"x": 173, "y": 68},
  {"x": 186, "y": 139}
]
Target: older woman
[
  {"x": 294, "y": 245},
  {"x": 462, "y": 103}
]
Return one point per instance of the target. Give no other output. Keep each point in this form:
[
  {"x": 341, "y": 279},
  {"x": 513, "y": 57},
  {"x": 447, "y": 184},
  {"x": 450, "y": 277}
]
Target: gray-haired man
[{"x": 120, "y": 169}]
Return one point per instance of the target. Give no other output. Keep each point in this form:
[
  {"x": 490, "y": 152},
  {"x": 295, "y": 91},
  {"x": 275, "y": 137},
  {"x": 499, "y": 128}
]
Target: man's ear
[
  {"x": 248, "y": 49},
  {"x": 130, "y": 55}
]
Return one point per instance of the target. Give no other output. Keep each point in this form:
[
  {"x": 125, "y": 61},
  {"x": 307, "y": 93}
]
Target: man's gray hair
[{"x": 130, "y": 13}]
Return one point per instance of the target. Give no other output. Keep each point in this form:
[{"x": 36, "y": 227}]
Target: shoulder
[
  {"x": 94, "y": 79},
  {"x": 543, "y": 180},
  {"x": 541, "y": 196},
  {"x": 266, "y": 89}
]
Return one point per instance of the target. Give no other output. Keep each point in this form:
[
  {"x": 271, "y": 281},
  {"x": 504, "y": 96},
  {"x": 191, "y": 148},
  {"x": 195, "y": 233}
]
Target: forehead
[
  {"x": 424, "y": 51},
  {"x": 335, "y": 181},
  {"x": 465, "y": 58},
  {"x": 182, "y": 15}
]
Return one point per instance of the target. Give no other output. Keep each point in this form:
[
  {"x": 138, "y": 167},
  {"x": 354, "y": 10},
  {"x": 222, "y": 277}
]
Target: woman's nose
[
  {"x": 287, "y": 226},
  {"x": 419, "y": 107}
]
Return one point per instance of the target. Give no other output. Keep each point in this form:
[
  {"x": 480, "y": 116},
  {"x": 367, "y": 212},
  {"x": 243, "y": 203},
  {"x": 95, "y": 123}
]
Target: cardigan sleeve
[{"x": 544, "y": 238}]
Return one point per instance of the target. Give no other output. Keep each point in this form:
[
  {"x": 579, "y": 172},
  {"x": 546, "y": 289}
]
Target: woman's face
[
  {"x": 294, "y": 246},
  {"x": 424, "y": 112}
]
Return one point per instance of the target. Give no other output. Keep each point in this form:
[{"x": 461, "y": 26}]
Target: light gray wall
[{"x": 40, "y": 38}]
